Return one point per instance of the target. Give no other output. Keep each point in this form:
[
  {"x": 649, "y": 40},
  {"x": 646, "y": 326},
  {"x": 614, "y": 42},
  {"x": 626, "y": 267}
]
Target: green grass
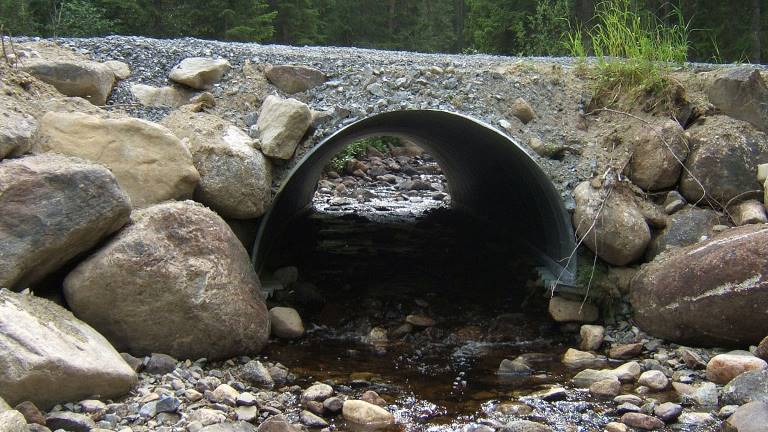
[
  {"x": 358, "y": 148},
  {"x": 634, "y": 50}
]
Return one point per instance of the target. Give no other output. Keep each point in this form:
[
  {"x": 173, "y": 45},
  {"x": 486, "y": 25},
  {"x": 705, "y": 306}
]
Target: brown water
[{"x": 476, "y": 286}]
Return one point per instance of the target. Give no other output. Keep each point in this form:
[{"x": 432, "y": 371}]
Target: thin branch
[
  {"x": 728, "y": 204},
  {"x": 669, "y": 147},
  {"x": 581, "y": 240}
]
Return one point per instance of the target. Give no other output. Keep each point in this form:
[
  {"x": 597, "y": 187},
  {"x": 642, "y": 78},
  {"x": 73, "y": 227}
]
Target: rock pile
[{"x": 149, "y": 274}]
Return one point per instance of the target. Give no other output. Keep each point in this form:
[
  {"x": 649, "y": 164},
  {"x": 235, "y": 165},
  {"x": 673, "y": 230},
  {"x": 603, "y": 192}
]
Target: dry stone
[
  {"x": 563, "y": 310},
  {"x": 294, "y": 79},
  {"x": 762, "y": 172},
  {"x": 235, "y": 178},
  {"x": 762, "y": 349},
  {"x": 200, "y": 73},
  {"x": 149, "y": 161},
  {"x": 747, "y": 387},
  {"x": 749, "y": 212},
  {"x": 70, "y": 421},
  {"x": 167, "y": 96},
  {"x": 16, "y": 131},
  {"x": 12, "y": 421},
  {"x": 620, "y": 234},
  {"x": 707, "y": 293},
  {"x": 724, "y": 157},
  {"x": 89, "y": 80},
  {"x": 366, "y": 414},
  {"x": 659, "y": 152},
  {"x": 752, "y": 417},
  {"x": 684, "y": 228},
  {"x": 522, "y": 110},
  {"x": 281, "y": 125},
  {"x": 625, "y": 351},
  {"x": 591, "y": 337},
  {"x": 121, "y": 70},
  {"x": 175, "y": 281},
  {"x": 722, "y": 368},
  {"x": 286, "y": 323},
  {"x": 44, "y": 222},
  {"x": 742, "y": 94},
  {"x": 48, "y": 356}
]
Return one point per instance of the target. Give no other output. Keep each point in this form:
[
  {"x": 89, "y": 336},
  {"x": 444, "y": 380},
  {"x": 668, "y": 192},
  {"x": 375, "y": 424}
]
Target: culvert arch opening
[
  {"x": 433, "y": 300},
  {"x": 491, "y": 181}
]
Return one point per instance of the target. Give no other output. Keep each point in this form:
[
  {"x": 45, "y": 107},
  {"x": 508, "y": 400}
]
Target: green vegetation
[
  {"x": 518, "y": 27},
  {"x": 634, "y": 50},
  {"x": 358, "y": 148},
  {"x": 531, "y": 27}
]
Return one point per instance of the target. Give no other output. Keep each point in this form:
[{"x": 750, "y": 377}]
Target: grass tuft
[
  {"x": 358, "y": 148},
  {"x": 634, "y": 50}
]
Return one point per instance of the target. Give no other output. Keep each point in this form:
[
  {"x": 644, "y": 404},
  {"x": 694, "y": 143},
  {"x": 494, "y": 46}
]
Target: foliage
[
  {"x": 633, "y": 50},
  {"x": 15, "y": 17},
  {"x": 80, "y": 18},
  {"x": 358, "y": 148},
  {"x": 547, "y": 26},
  {"x": 527, "y": 27}
]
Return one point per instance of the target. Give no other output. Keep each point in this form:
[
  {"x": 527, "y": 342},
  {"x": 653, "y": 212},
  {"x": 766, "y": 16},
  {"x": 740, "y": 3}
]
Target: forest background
[{"x": 718, "y": 31}]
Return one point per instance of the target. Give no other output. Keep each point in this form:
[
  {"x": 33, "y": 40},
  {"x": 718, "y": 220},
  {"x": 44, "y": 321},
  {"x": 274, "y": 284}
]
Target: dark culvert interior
[{"x": 427, "y": 285}]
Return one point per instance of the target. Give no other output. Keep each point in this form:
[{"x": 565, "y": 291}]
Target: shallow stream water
[{"x": 366, "y": 264}]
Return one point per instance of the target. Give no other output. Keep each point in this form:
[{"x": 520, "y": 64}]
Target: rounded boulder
[
  {"x": 610, "y": 223},
  {"x": 176, "y": 281},
  {"x": 709, "y": 293}
]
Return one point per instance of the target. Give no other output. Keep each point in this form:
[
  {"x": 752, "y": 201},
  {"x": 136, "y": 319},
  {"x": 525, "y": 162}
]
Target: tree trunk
[
  {"x": 391, "y": 23},
  {"x": 460, "y": 7},
  {"x": 585, "y": 10},
  {"x": 757, "y": 32}
]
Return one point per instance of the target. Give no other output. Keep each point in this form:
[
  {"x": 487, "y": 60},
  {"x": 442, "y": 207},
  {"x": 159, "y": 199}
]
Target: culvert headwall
[{"x": 489, "y": 175}]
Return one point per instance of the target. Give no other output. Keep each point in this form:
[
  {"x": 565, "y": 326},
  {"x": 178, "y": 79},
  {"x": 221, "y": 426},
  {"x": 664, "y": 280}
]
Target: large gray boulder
[
  {"x": 616, "y": 231},
  {"x": 684, "y": 228},
  {"x": 47, "y": 356},
  {"x": 742, "y": 94},
  {"x": 235, "y": 178},
  {"x": 747, "y": 387},
  {"x": 752, "y": 417},
  {"x": 659, "y": 151},
  {"x": 200, "y": 73},
  {"x": 53, "y": 208},
  {"x": 281, "y": 125},
  {"x": 177, "y": 281},
  {"x": 149, "y": 161},
  {"x": 707, "y": 294},
  {"x": 16, "y": 131},
  {"x": 724, "y": 157},
  {"x": 294, "y": 79},
  {"x": 86, "y": 79}
]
